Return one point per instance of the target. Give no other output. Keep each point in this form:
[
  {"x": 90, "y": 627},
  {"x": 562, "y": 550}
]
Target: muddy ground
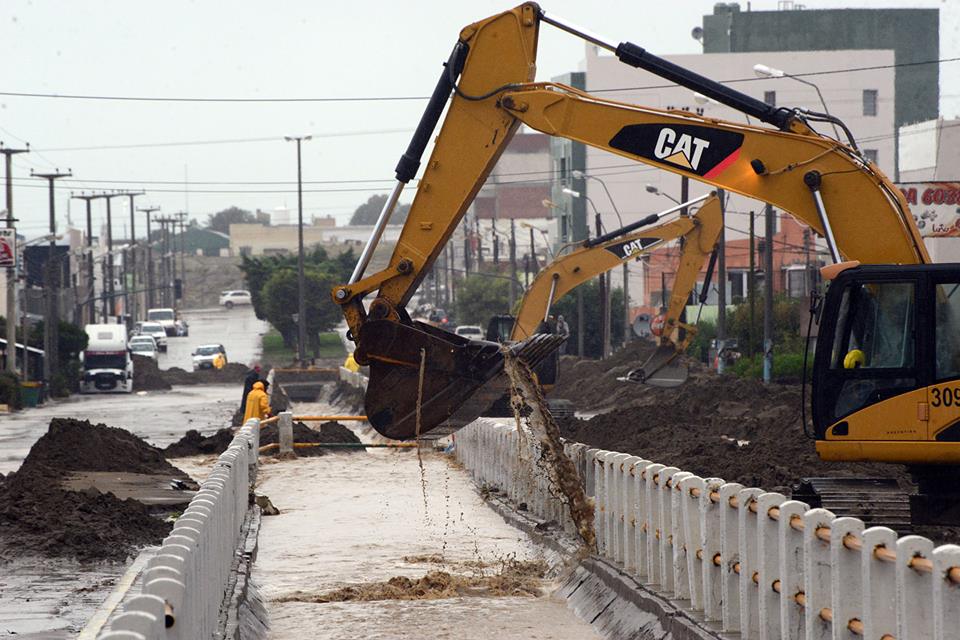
[
  {"x": 737, "y": 429},
  {"x": 37, "y": 515},
  {"x": 147, "y": 375}
]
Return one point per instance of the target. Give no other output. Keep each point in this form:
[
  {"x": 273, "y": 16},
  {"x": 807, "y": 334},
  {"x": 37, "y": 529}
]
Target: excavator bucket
[
  {"x": 460, "y": 378},
  {"x": 664, "y": 368}
]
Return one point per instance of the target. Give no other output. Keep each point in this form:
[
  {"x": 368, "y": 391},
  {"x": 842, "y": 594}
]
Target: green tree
[
  {"x": 481, "y": 296},
  {"x": 567, "y": 307},
  {"x": 369, "y": 211},
  {"x": 279, "y": 299},
  {"x": 221, "y": 220},
  {"x": 71, "y": 340},
  {"x": 788, "y": 315}
]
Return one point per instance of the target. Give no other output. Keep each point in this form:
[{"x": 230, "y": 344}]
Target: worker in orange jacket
[{"x": 257, "y": 404}]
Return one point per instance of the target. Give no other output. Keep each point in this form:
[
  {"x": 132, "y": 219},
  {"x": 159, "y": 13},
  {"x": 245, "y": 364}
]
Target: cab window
[
  {"x": 875, "y": 327},
  {"x": 947, "y": 314}
]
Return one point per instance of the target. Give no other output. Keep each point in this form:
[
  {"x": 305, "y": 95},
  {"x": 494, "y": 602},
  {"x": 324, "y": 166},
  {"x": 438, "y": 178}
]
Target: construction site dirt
[
  {"x": 38, "y": 514},
  {"x": 738, "y": 429}
]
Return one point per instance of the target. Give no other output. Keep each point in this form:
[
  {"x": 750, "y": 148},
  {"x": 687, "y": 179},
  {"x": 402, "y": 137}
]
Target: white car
[
  {"x": 154, "y": 330},
  {"x": 143, "y": 346},
  {"x": 204, "y": 355},
  {"x": 230, "y": 299},
  {"x": 471, "y": 331}
]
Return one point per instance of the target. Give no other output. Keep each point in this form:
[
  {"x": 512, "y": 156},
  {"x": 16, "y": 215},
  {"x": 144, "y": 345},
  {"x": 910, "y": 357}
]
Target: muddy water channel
[{"x": 356, "y": 519}]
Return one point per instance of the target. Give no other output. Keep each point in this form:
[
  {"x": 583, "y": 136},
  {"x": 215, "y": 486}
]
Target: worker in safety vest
[
  {"x": 257, "y": 404},
  {"x": 350, "y": 364}
]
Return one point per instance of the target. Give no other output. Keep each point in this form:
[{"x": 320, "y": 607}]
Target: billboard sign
[
  {"x": 935, "y": 207},
  {"x": 8, "y": 248}
]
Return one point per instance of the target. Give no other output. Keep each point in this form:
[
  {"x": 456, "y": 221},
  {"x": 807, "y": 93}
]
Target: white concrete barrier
[
  {"x": 184, "y": 585},
  {"x": 748, "y": 560},
  {"x": 353, "y": 378}
]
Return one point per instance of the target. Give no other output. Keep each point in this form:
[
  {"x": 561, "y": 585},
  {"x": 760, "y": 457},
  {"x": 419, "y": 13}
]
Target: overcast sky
[{"x": 286, "y": 49}]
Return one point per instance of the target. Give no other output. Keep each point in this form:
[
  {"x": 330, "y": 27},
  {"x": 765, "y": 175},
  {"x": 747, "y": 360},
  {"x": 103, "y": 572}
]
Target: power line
[{"x": 77, "y": 96}]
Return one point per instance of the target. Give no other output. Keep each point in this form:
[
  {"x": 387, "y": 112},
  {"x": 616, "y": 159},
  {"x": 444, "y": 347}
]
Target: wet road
[
  {"x": 160, "y": 417},
  {"x": 238, "y": 330},
  {"x": 53, "y": 598},
  {"x": 363, "y": 517}
]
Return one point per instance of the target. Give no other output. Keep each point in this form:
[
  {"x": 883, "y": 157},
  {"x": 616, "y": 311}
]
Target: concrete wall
[{"x": 257, "y": 239}]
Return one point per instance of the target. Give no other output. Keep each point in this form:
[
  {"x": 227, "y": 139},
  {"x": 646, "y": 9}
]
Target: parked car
[
  {"x": 143, "y": 346},
  {"x": 155, "y": 330},
  {"x": 166, "y": 318},
  {"x": 471, "y": 331},
  {"x": 439, "y": 318},
  {"x": 230, "y": 299},
  {"x": 205, "y": 355}
]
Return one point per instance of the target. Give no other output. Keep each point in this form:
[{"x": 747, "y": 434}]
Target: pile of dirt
[
  {"x": 147, "y": 375},
  {"x": 328, "y": 432},
  {"x": 232, "y": 373},
  {"x": 516, "y": 578},
  {"x": 37, "y": 515},
  {"x": 737, "y": 429},
  {"x": 592, "y": 384},
  {"x": 195, "y": 444}
]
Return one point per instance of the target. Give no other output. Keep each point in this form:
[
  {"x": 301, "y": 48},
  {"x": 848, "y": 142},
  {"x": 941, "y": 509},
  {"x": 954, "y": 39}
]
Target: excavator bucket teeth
[
  {"x": 664, "y": 368},
  {"x": 460, "y": 376}
]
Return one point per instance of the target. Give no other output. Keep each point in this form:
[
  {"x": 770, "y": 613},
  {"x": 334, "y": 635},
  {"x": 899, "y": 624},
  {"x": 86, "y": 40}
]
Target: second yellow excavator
[{"x": 698, "y": 235}]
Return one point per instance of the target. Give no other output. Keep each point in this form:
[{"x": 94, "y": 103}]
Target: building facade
[{"x": 639, "y": 189}]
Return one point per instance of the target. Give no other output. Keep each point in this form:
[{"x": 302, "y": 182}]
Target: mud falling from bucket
[{"x": 560, "y": 469}]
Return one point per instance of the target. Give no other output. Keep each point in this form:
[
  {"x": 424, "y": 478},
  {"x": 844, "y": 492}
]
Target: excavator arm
[
  {"x": 422, "y": 377},
  {"x": 698, "y": 234}
]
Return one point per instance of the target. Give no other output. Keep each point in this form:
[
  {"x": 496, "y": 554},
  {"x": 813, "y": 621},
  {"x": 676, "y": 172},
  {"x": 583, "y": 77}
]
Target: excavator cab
[{"x": 886, "y": 380}]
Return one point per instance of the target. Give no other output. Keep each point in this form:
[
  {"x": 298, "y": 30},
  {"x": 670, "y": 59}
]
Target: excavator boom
[{"x": 422, "y": 378}]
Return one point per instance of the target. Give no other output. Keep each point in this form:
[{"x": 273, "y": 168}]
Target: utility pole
[
  {"x": 181, "y": 217},
  {"x": 12, "y": 271},
  {"x": 752, "y": 285},
  {"x": 91, "y": 299},
  {"x": 132, "y": 267},
  {"x": 51, "y": 365},
  {"x": 301, "y": 277},
  {"x": 768, "y": 296},
  {"x": 604, "y": 310},
  {"x": 150, "y": 278},
  {"x": 109, "y": 306},
  {"x": 476, "y": 221},
  {"x": 513, "y": 264},
  {"x": 721, "y": 281}
]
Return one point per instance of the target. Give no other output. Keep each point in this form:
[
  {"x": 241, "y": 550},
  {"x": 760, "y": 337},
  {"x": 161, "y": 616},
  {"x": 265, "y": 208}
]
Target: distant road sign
[{"x": 8, "y": 248}]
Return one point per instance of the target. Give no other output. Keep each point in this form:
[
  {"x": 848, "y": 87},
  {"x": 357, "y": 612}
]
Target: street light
[
  {"x": 301, "y": 281},
  {"x": 763, "y": 71},
  {"x": 655, "y": 191}
]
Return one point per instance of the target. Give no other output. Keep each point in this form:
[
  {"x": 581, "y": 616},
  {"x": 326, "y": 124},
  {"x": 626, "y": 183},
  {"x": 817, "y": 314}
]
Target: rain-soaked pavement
[
  {"x": 349, "y": 518},
  {"x": 53, "y": 598}
]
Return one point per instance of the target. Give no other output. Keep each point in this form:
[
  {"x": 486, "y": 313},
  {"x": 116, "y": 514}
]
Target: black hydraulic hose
[
  {"x": 708, "y": 277},
  {"x": 409, "y": 162},
  {"x": 637, "y": 56},
  {"x": 803, "y": 379},
  {"x": 616, "y": 233}
]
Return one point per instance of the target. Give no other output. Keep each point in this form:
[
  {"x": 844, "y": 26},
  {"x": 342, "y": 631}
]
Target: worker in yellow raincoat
[
  {"x": 350, "y": 364},
  {"x": 219, "y": 361},
  {"x": 257, "y": 404}
]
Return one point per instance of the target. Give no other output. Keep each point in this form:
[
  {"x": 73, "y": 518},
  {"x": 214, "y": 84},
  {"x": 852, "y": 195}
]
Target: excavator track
[{"x": 876, "y": 501}]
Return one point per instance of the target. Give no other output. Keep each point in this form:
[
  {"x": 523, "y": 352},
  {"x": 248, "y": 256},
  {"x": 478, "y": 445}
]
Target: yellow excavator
[
  {"x": 886, "y": 373},
  {"x": 698, "y": 234}
]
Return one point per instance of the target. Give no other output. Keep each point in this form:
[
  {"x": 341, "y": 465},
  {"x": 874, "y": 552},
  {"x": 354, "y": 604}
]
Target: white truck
[
  {"x": 107, "y": 364},
  {"x": 167, "y": 319}
]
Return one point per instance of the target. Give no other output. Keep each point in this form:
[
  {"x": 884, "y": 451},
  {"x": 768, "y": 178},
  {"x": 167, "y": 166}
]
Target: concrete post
[
  {"x": 679, "y": 541},
  {"x": 710, "y": 541},
  {"x": 879, "y": 584},
  {"x": 665, "y": 506},
  {"x": 792, "y": 621},
  {"x": 914, "y": 590},
  {"x": 695, "y": 557},
  {"x": 285, "y": 428},
  {"x": 946, "y": 594},
  {"x": 768, "y": 565},
  {"x": 730, "y": 555},
  {"x": 817, "y": 570},
  {"x": 847, "y": 581},
  {"x": 650, "y": 476},
  {"x": 747, "y": 537}
]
